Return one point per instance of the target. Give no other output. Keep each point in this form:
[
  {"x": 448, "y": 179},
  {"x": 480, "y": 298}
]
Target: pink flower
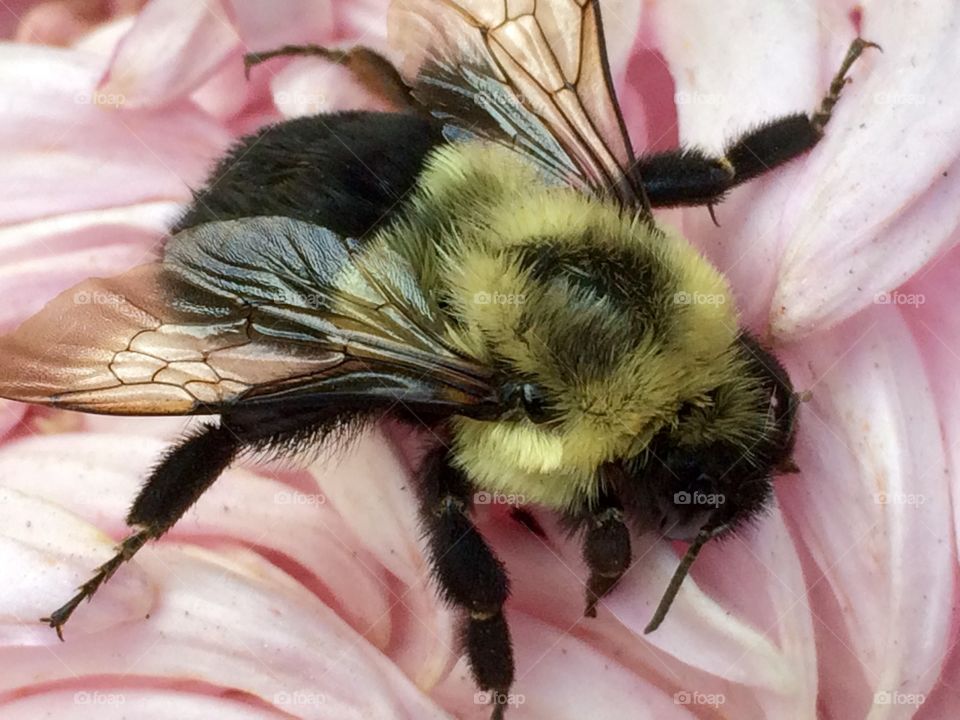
[{"x": 305, "y": 593}]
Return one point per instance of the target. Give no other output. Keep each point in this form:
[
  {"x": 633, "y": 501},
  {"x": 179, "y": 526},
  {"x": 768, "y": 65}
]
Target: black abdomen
[{"x": 347, "y": 172}]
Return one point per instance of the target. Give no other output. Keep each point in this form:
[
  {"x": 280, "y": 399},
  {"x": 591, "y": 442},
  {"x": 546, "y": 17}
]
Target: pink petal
[
  {"x": 39, "y": 259},
  {"x": 265, "y": 26},
  {"x": 372, "y": 490},
  {"x": 869, "y": 510},
  {"x": 877, "y": 202},
  {"x": 935, "y": 325},
  {"x": 119, "y": 700},
  {"x": 754, "y": 626},
  {"x": 362, "y": 22},
  {"x": 97, "y": 476},
  {"x": 63, "y": 22},
  {"x": 820, "y": 238},
  {"x": 561, "y": 676},
  {"x": 171, "y": 49},
  {"x": 230, "y": 619},
  {"x": 62, "y": 153},
  {"x": 228, "y": 92},
  {"x": 103, "y": 39},
  {"x": 723, "y": 88},
  {"x": 53, "y": 552},
  {"x": 728, "y": 657},
  {"x": 11, "y": 414}
]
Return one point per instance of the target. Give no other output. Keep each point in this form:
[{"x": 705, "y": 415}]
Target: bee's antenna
[{"x": 707, "y": 532}]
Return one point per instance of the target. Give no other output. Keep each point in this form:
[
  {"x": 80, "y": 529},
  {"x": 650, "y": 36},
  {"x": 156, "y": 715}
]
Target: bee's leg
[
  {"x": 183, "y": 475},
  {"x": 691, "y": 177},
  {"x": 370, "y": 68},
  {"x": 469, "y": 575},
  {"x": 606, "y": 547}
]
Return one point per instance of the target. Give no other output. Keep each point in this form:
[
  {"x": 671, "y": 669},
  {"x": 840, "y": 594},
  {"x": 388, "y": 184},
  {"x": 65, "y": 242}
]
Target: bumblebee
[{"x": 482, "y": 262}]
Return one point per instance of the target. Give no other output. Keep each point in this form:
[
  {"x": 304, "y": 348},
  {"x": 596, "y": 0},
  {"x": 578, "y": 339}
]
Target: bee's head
[
  {"x": 713, "y": 466},
  {"x": 712, "y": 470}
]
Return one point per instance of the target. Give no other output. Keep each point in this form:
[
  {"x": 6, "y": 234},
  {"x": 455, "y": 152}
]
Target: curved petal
[
  {"x": 363, "y": 22},
  {"x": 264, "y": 26},
  {"x": 118, "y": 700},
  {"x": 67, "y": 149},
  {"x": 97, "y": 476},
  {"x": 934, "y": 322},
  {"x": 53, "y": 552},
  {"x": 869, "y": 510},
  {"x": 174, "y": 50},
  {"x": 41, "y": 258},
  {"x": 170, "y": 50},
  {"x": 760, "y": 664},
  {"x": 309, "y": 86},
  {"x": 721, "y": 89},
  {"x": 742, "y": 616},
  {"x": 374, "y": 495},
  {"x": 819, "y": 239},
  {"x": 875, "y": 204},
  {"x": 561, "y": 676},
  {"x": 231, "y": 619}
]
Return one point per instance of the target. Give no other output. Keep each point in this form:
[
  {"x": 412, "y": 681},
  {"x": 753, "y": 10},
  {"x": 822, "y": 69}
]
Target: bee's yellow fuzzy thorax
[{"x": 618, "y": 321}]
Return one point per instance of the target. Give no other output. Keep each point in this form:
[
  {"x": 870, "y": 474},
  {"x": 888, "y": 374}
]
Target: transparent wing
[
  {"x": 242, "y": 312},
  {"x": 530, "y": 74}
]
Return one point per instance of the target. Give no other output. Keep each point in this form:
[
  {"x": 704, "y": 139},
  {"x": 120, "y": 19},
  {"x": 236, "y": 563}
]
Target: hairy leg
[
  {"x": 469, "y": 575},
  {"x": 187, "y": 470},
  {"x": 692, "y": 177}
]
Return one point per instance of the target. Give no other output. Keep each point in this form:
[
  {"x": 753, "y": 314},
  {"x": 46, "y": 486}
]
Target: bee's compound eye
[{"x": 535, "y": 403}]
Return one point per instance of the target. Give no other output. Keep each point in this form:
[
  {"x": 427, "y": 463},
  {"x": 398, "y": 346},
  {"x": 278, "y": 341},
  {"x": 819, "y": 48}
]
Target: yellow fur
[{"x": 480, "y": 205}]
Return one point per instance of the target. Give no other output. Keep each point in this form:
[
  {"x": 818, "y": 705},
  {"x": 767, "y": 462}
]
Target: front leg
[
  {"x": 606, "y": 546},
  {"x": 469, "y": 575},
  {"x": 692, "y": 177}
]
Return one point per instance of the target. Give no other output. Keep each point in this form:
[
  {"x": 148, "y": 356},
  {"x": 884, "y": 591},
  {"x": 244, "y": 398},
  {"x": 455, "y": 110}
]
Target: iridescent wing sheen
[
  {"x": 238, "y": 313},
  {"x": 530, "y": 74}
]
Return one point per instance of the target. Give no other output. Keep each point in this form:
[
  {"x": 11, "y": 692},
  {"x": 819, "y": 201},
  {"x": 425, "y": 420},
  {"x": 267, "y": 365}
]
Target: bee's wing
[
  {"x": 532, "y": 75},
  {"x": 243, "y": 312}
]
